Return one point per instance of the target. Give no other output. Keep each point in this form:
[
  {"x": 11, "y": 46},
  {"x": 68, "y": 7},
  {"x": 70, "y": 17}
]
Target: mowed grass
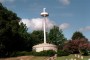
[
  {"x": 72, "y": 57},
  {"x": 45, "y": 58}
]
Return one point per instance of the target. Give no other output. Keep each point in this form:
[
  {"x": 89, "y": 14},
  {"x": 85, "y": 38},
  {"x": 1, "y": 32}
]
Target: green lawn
[
  {"x": 72, "y": 57},
  {"x": 45, "y": 58}
]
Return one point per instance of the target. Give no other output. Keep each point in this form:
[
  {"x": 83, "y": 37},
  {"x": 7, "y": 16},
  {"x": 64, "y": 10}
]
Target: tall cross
[{"x": 44, "y": 9}]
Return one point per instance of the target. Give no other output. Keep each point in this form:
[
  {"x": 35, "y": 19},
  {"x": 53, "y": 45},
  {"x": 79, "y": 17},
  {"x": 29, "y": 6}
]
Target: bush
[
  {"x": 85, "y": 52},
  {"x": 20, "y": 53},
  {"x": 44, "y": 53},
  {"x": 62, "y": 53}
]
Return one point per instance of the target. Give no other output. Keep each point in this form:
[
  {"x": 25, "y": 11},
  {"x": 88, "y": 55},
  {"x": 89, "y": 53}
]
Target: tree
[
  {"x": 26, "y": 37},
  {"x": 12, "y": 34},
  {"x": 56, "y": 37},
  {"x": 37, "y": 37},
  {"x": 76, "y": 46},
  {"x": 77, "y": 35}
]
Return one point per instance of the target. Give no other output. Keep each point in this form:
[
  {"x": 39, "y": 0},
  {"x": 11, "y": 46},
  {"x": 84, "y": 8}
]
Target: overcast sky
[{"x": 69, "y": 15}]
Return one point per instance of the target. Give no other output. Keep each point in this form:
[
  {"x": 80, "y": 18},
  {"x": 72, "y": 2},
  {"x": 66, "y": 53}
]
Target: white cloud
[
  {"x": 64, "y": 26},
  {"x": 65, "y": 2},
  {"x": 87, "y": 28},
  {"x": 37, "y": 23},
  {"x": 6, "y": 1}
]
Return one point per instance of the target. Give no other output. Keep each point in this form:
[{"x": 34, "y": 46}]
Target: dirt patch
[{"x": 19, "y": 58}]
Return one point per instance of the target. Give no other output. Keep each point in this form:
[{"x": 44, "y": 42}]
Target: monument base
[{"x": 44, "y": 46}]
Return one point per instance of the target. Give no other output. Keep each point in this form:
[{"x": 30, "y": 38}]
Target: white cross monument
[
  {"x": 44, "y": 14},
  {"x": 45, "y": 45}
]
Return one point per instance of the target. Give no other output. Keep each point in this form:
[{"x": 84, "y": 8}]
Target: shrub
[
  {"x": 21, "y": 53},
  {"x": 84, "y": 52},
  {"x": 62, "y": 53},
  {"x": 44, "y": 53}
]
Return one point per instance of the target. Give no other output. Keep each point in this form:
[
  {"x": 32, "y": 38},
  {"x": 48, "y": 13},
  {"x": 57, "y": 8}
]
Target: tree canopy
[
  {"x": 37, "y": 37},
  {"x": 56, "y": 36},
  {"x": 12, "y": 34},
  {"x": 77, "y": 35}
]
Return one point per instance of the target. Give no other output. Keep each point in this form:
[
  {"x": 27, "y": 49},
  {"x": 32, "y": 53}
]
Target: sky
[{"x": 69, "y": 15}]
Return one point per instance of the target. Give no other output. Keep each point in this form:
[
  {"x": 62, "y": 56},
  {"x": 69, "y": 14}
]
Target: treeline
[{"x": 15, "y": 38}]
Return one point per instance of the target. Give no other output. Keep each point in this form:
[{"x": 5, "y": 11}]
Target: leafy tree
[
  {"x": 13, "y": 36},
  {"x": 37, "y": 37},
  {"x": 77, "y": 35},
  {"x": 76, "y": 46},
  {"x": 56, "y": 37},
  {"x": 26, "y": 37}
]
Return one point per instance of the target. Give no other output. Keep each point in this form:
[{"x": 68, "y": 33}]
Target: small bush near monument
[
  {"x": 44, "y": 53},
  {"x": 62, "y": 53},
  {"x": 50, "y": 53}
]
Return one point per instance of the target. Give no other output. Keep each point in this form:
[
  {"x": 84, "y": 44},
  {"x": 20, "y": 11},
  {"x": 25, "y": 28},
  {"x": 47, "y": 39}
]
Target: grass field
[
  {"x": 45, "y": 58},
  {"x": 72, "y": 57}
]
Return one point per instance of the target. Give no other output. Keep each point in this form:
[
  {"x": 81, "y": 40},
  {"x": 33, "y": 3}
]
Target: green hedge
[
  {"x": 21, "y": 53},
  {"x": 44, "y": 53},
  {"x": 62, "y": 53},
  {"x": 84, "y": 52}
]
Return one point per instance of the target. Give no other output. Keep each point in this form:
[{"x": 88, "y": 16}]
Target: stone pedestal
[{"x": 44, "y": 46}]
